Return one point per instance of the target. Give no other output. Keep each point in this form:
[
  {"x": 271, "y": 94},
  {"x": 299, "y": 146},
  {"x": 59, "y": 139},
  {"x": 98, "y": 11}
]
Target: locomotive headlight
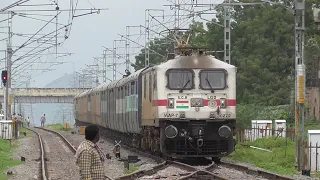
[
  {"x": 224, "y": 131},
  {"x": 223, "y": 103},
  {"x": 171, "y": 131},
  {"x": 171, "y": 103}
]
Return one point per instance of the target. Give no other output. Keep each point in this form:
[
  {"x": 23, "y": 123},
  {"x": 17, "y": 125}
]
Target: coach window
[
  {"x": 155, "y": 81},
  {"x": 180, "y": 79},
  {"x": 136, "y": 85},
  {"x": 145, "y": 86},
  {"x": 213, "y": 79},
  {"x": 150, "y": 86},
  {"x": 132, "y": 88},
  {"x": 121, "y": 93}
]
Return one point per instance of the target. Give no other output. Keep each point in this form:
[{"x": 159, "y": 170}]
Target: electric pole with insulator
[{"x": 299, "y": 12}]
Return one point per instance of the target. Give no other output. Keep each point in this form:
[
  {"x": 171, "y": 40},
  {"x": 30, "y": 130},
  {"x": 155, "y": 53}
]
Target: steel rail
[
  {"x": 42, "y": 152},
  {"x": 73, "y": 149},
  {"x": 250, "y": 171}
]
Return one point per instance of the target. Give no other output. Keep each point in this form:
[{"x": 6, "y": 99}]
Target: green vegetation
[
  {"x": 281, "y": 160},
  {"x": 58, "y": 127},
  {"x": 24, "y": 130},
  {"x": 262, "y": 49},
  {"x": 6, "y": 160},
  {"x": 246, "y": 113},
  {"x": 131, "y": 169}
]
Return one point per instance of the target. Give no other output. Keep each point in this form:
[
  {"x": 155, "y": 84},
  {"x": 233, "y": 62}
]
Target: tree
[{"x": 158, "y": 49}]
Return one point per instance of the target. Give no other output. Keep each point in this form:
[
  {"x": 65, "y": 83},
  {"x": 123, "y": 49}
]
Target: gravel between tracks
[
  {"x": 60, "y": 159},
  {"x": 28, "y": 148},
  {"x": 170, "y": 172},
  {"x": 114, "y": 168},
  {"x": 235, "y": 174}
]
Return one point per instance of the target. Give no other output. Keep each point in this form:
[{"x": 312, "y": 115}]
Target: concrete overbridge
[{"x": 42, "y": 95}]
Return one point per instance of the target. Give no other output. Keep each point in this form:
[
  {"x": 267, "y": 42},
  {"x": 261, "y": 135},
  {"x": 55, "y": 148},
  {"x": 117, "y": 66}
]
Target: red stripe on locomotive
[{"x": 182, "y": 101}]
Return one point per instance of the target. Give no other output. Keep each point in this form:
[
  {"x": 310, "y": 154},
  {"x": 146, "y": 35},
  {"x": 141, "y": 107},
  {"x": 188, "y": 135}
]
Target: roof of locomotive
[{"x": 195, "y": 62}]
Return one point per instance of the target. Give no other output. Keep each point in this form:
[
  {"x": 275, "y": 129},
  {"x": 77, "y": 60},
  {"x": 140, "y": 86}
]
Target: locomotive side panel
[
  {"x": 155, "y": 96},
  {"x": 147, "y": 111}
]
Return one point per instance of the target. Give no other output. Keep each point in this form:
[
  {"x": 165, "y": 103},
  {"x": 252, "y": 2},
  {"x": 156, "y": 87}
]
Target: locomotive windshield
[
  {"x": 180, "y": 79},
  {"x": 212, "y": 79}
]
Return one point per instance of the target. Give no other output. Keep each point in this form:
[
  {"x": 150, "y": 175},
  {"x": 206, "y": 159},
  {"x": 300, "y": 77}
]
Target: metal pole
[
  {"x": 127, "y": 49},
  {"x": 227, "y": 34},
  {"x": 104, "y": 73},
  {"x": 147, "y": 39},
  {"x": 300, "y": 75},
  {"x": 9, "y": 63},
  {"x": 5, "y": 104},
  {"x": 8, "y": 85},
  {"x": 114, "y": 60}
]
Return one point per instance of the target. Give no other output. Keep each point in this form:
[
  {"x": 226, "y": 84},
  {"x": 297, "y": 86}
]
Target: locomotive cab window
[
  {"x": 180, "y": 79},
  {"x": 213, "y": 79}
]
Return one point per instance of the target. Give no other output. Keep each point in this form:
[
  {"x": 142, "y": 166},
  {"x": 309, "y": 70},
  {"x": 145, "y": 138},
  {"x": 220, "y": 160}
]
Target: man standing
[
  {"x": 28, "y": 122},
  {"x": 89, "y": 156},
  {"x": 43, "y": 120}
]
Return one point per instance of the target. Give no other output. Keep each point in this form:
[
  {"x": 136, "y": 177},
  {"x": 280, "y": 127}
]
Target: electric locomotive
[{"x": 184, "y": 107}]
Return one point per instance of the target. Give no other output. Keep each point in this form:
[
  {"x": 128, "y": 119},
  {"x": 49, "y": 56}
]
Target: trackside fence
[{"x": 310, "y": 151}]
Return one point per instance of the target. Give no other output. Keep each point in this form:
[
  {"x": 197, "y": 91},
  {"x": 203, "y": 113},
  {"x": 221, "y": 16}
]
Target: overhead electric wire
[
  {"x": 13, "y": 5},
  {"x": 32, "y": 50},
  {"x": 52, "y": 10},
  {"x": 46, "y": 35},
  {"x": 38, "y": 31},
  {"x": 40, "y": 19},
  {"x": 38, "y": 52}
]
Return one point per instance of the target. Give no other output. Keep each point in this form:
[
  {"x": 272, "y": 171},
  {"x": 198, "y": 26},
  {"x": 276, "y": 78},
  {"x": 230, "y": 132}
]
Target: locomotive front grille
[{"x": 183, "y": 147}]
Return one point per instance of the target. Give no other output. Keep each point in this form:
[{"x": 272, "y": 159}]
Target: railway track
[
  {"x": 43, "y": 165},
  {"x": 223, "y": 171},
  {"x": 51, "y": 173}
]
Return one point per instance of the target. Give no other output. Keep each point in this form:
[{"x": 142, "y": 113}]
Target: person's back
[
  {"x": 43, "y": 120},
  {"x": 89, "y": 157}
]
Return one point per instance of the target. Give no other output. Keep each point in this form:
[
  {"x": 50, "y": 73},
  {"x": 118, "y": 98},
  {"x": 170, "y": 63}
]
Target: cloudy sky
[{"x": 86, "y": 36}]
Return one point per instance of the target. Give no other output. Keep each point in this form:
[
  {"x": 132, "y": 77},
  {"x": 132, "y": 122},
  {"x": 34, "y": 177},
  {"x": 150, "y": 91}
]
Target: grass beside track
[
  {"x": 58, "y": 127},
  {"x": 131, "y": 169},
  {"x": 6, "y": 159},
  {"x": 281, "y": 160}
]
